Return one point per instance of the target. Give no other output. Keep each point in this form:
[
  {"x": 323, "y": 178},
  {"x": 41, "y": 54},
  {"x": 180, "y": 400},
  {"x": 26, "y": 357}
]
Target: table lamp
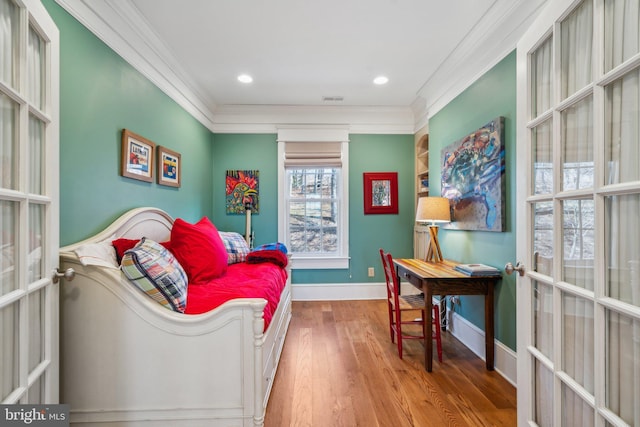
[{"x": 433, "y": 210}]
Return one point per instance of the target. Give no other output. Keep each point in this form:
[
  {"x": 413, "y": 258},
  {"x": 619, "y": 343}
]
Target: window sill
[{"x": 319, "y": 263}]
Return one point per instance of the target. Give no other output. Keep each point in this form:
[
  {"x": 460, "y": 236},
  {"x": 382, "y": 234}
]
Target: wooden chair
[{"x": 399, "y": 304}]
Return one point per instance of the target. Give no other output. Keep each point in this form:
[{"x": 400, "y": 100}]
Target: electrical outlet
[{"x": 371, "y": 272}]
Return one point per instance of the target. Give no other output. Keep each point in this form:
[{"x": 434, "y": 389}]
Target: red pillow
[
  {"x": 199, "y": 249},
  {"x": 122, "y": 245}
]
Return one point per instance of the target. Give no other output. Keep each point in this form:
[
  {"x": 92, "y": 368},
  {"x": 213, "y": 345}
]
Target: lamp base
[{"x": 433, "y": 249}]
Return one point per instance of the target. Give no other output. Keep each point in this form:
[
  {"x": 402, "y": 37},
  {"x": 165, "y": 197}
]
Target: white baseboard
[
  {"x": 465, "y": 331},
  {"x": 505, "y": 359}
]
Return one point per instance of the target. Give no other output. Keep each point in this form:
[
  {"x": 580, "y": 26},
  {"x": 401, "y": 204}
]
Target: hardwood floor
[{"x": 339, "y": 368}]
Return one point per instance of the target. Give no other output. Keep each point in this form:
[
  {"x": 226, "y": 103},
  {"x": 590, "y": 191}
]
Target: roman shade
[{"x": 328, "y": 154}]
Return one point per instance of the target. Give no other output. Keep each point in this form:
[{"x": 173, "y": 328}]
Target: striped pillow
[
  {"x": 154, "y": 270},
  {"x": 237, "y": 248}
]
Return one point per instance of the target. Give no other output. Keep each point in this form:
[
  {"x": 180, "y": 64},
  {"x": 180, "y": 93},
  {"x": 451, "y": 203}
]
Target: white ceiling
[{"x": 300, "y": 51}]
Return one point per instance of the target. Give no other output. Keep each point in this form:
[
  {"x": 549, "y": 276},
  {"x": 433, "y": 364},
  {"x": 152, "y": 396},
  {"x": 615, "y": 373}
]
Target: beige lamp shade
[{"x": 433, "y": 210}]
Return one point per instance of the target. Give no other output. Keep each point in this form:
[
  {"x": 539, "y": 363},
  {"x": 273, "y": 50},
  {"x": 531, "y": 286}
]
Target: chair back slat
[{"x": 397, "y": 304}]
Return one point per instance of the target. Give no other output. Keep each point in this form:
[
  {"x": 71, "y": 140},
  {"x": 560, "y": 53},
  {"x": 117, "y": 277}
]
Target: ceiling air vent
[{"x": 332, "y": 98}]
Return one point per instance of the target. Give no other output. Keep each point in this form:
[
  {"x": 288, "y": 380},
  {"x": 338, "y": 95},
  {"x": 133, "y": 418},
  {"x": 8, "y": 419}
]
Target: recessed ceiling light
[
  {"x": 380, "y": 80},
  {"x": 245, "y": 78}
]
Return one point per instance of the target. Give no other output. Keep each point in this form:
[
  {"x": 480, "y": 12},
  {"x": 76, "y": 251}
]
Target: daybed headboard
[{"x": 149, "y": 222}]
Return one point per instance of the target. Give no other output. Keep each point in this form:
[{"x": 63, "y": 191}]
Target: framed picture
[
  {"x": 137, "y": 156},
  {"x": 380, "y": 193},
  {"x": 169, "y": 167},
  {"x": 242, "y": 190},
  {"x": 473, "y": 179}
]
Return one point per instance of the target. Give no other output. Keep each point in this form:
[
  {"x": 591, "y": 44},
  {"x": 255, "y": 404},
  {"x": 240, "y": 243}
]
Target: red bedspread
[{"x": 242, "y": 280}]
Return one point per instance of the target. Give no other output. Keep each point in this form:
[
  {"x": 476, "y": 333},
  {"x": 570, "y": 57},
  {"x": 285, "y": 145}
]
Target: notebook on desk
[{"x": 477, "y": 269}]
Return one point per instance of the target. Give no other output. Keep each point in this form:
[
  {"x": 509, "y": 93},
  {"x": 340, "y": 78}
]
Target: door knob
[
  {"x": 509, "y": 268},
  {"x": 68, "y": 274}
]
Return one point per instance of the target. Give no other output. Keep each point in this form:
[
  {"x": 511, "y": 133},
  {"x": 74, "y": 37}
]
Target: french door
[
  {"x": 579, "y": 215},
  {"x": 29, "y": 52}
]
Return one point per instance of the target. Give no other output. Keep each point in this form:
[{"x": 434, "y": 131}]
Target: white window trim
[{"x": 316, "y": 134}]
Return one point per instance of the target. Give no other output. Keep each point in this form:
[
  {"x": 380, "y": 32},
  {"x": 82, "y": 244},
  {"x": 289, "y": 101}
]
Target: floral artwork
[
  {"x": 473, "y": 179},
  {"x": 242, "y": 189}
]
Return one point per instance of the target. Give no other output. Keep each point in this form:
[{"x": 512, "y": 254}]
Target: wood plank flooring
[{"x": 339, "y": 368}]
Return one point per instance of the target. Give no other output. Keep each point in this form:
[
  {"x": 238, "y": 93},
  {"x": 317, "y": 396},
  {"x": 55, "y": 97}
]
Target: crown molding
[
  {"x": 269, "y": 118},
  {"x": 482, "y": 48},
  {"x": 121, "y": 27}
]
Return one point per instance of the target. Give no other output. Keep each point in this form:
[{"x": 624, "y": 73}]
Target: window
[
  {"x": 313, "y": 205},
  {"x": 313, "y": 197}
]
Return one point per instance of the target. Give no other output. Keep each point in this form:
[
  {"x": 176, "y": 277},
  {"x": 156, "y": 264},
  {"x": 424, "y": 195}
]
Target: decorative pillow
[
  {"x": 153, "y": 269},
  {"x": 199, "y": 249},
  {"x": 101, "y": 254},
  {"x": 122, "y": 245},
  {"x": 236, "y": 246}
]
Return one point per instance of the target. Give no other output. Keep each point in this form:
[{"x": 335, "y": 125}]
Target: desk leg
[
  {"x": 489, "y": 326},
  {"x": 428, "y": 333}
]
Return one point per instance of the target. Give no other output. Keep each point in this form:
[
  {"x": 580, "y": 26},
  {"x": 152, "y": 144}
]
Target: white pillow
[{"x": 102, "y": 254}]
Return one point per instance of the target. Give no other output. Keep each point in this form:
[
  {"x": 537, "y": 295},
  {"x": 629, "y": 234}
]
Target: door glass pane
[
  {"x": 577, "y": 146},
  {"x": 8, "y": 278},
  {"x": 578, "y": 242},
  {"x": 576, "y": 39},
  {"x": 542, "y": 159},
  {"x": 543, "y": 318},
  {"x": 622, "y": 223},
  {"x": 36, "y": 233},
  {"x": 543, "y": 229},
  {"x": 9, "y": 334},
  {"x": 35, "y": 68},
  {"x": 622, "y": 372},
  {"x": 577, "y": 340},
  {"x": 36, "y": 155},
  {"x": 622, "y": 151},
  {"x": 543, "y": 403},
  {"x": 36, "y": 392},
  {"x": 622, "y": 31},
  {"x": 8, "y": 42},
  {"x": 575, "y": 411},
  {"x": 541, "y": 81},
  {"x": 36, "y": 329},
  {"x": 8, "y": 148}
]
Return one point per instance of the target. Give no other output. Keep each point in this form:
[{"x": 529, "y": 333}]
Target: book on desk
[{"x": 477, "y": 270}]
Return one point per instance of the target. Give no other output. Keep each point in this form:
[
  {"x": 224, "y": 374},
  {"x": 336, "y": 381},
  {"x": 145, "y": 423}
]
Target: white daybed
[{"x": 128, "y": 361}]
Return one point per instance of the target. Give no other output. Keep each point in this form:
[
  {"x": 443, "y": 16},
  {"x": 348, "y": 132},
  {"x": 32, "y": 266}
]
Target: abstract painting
[
  {"x": 473, "y": 179},
  {"x": 241, "y": 189}
]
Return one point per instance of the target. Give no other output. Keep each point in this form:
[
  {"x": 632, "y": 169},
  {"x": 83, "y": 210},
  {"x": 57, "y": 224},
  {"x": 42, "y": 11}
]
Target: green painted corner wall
[
  {"x": 491, "y": 96},
  {"x": 101, "y": 94},
  {"x": 367, "y": 233}
]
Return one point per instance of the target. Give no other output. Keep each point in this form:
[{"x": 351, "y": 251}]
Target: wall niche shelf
[{"x": 422, "y": 166}]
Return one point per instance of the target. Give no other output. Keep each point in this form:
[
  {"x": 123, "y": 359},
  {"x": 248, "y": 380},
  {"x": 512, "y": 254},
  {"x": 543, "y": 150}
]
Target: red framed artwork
[{"x": 380, "y": 193}]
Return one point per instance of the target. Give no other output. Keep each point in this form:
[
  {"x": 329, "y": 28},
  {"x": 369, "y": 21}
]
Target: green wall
[
  {"x": 367, "y": 233},
  {"x": 247, "y": 152},
  {"x": 100, "y": 94},
  {"x": 493, "y": 95}
]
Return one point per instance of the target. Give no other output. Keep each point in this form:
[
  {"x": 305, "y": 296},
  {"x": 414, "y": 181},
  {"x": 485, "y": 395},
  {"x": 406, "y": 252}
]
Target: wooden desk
[{"x": 442, "y": 279}]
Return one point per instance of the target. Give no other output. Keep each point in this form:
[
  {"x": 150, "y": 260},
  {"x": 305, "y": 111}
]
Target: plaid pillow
[
  {"x": 154, "y": 270},
  {"x": 237, "y": 248}
]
